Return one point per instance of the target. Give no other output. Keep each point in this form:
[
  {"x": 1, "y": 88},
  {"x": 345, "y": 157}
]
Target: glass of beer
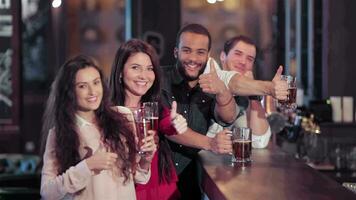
[
  {"x": 241, "y": 144},
  {"x": 290, "y": 102},
  {"x": 151, "y": 113},
  {"x": 142, "y": 126}
]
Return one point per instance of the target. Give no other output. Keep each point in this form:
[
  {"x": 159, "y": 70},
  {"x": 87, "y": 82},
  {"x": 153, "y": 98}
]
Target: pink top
[
  {"x": 78, "y": 182},
  {"x": 154, "y": 189}
]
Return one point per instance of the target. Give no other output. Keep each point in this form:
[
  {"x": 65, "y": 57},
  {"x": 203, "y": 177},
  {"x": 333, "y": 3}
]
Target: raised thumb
[
  {"x": 278, "y": 74},
  {"x": 212, "y": 66},
  {"x": 174, "y": 110}
]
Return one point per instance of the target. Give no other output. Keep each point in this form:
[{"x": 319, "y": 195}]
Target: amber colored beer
[
  {"x": 141, "y": 129},
  {"x": 153, "y": 123},
  {"x": 291, "y": 97},
  {"x": 242, "y": 149}
]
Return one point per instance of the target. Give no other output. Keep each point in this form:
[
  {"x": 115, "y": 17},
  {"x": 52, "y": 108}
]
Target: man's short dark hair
[
  {"x": 229, "y": 44},
  {"x": 194, "y": 28}
]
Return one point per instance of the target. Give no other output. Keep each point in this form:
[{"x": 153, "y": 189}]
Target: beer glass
[
  {"x": 151, "y": 114},
  {"x": 142, "y": 126},
  {"x": 241, "y": 144},
  {"x": 290, "y": 102}
]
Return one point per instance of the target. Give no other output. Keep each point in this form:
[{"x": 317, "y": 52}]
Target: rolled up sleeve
[
  {"x": 142, "y": 176},
  {"x": 223, "y": 75},
  {"x": 261, "y": 141}
]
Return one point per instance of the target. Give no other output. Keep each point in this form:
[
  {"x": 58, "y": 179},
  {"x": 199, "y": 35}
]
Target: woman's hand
[
  {"x": 178, "y": 121},
  {"x": 101, "y": 160},
  {"x": 149, "y": 146}
]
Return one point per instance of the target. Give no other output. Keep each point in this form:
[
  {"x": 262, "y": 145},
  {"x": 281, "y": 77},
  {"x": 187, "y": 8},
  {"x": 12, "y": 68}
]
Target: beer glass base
[
  {"x": 233, "y": 159},
  {"x": 287, "y": 108}
]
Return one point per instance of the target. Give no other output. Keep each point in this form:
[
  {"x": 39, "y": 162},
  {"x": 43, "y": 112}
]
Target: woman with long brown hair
[
  {"x": 90, "y": 148},
  {"x": 136, "y": 78}
]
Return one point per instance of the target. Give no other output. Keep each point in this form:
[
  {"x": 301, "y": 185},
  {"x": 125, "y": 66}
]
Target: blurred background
[{"x": 312, "y": 39}]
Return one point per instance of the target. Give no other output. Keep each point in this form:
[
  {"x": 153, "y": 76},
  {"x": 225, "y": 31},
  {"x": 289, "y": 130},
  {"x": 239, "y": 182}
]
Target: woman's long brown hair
[{"x": 60, "y": 114}]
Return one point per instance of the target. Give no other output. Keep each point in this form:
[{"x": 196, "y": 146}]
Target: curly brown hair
[{"x": 60, "y": 113}]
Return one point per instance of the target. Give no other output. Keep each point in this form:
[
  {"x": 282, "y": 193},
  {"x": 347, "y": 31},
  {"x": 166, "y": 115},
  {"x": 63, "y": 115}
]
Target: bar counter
[{"x": 272, "y": 174}]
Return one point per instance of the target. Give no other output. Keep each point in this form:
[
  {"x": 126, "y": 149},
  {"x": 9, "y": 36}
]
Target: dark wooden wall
[
  {"x": 157, "y": 22},
  {"x": 339, "y": 40}
]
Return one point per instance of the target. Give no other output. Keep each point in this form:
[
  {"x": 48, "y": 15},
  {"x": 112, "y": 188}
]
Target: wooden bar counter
[{"x": 273, "y": 175}]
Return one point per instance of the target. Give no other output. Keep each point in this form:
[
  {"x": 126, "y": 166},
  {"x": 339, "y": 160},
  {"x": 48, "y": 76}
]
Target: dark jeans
[{"x": 189, "y": 182}]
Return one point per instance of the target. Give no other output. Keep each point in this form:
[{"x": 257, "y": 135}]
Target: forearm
[
  {"x": 244, "y": 86},
  {"x": 225, "y": 107},
  {"x": 257, "y": 118},
  {"x": 192, "y": 139}
]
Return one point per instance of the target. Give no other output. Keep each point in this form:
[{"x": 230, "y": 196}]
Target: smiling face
[
  {"x": 192, "y": 54},
  {"x": 240, "y": 58},
  {"x": 88, "y": 89},
  {"x": 138, "y": 75}
]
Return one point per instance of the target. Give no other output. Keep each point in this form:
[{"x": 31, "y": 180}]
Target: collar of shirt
[{"x": 80, "y": 122}]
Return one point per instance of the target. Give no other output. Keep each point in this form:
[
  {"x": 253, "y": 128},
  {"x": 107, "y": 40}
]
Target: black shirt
[{"x": 195, "y": 105}]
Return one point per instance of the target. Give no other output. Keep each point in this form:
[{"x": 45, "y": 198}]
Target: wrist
[
  {"x": 207, "y": 145},
  {"x": 210, "y": 144},
  {"x": 223, "y": 91},
  {"x": 226, "y": 102},
  {"x": 271, "y": 90},
  {"x": 89, "y": 163}
]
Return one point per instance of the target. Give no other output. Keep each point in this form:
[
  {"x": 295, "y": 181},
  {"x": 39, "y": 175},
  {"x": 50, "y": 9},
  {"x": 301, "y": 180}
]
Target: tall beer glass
[
  {"x": 241, "y": 144},
  {"x": 151, "y": 113},
  {"x": 290, "y": 102}
]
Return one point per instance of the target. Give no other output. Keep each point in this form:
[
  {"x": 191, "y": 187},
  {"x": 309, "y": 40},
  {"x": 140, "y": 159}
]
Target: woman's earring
[{"x": 120, "y": 79}]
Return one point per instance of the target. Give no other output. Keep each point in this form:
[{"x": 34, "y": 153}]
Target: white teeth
[
  {"x": 92, "y": 99},
  {"x": 141, "y": 83},
  {"x": 192, "y": 66}
]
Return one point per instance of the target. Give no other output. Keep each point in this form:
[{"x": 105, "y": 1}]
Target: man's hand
[
  {"x": 280, "y": 88},
  {"x": 221, "y": 143},
  {"x": 178, "y": 121},
  {"x": 211, "y": 83}
]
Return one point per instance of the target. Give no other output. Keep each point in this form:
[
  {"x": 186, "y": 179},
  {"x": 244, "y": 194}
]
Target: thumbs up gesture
[
  {"x": 210, "y": 82},
  {"x": 178, "y": 121},
  {"x": 280, "y": 87},
  {"x": 101, "y": 159}
]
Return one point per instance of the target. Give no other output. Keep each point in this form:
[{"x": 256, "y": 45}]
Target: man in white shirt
[{"x": 239, "y": 55}]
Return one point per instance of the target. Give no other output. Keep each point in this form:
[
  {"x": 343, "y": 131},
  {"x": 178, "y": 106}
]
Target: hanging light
[{"x": 56, "y": 3}]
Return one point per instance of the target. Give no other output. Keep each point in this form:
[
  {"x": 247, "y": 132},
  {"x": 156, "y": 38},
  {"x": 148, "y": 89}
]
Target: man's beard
[{"x": 186, "y": 77}]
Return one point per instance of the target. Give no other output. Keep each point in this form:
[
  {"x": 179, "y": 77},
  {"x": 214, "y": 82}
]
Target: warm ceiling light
[{"x": 211, "y": 1}]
